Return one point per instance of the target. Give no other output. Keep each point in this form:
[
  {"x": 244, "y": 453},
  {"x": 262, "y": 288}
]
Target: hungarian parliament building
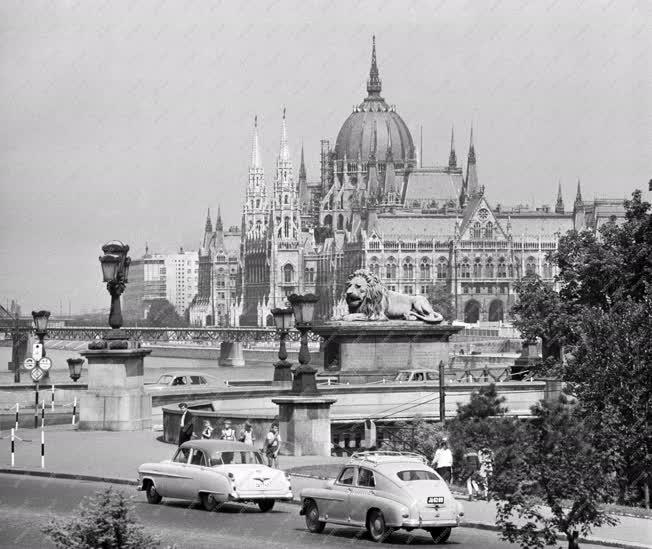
[{"x": 432, "y": 230}]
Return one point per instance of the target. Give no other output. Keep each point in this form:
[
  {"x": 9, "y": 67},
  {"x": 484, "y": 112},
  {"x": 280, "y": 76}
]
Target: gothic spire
[
  {"x": 209, "y": 226},
  {"x": 255, "y": 148},
  {"x": 374, "y": 85},
  {"x": 218, "y": 221},
  {"x": 472, "y": 186},
  {"x": 284, "y": 154},
  {"x": 559, "y": 206},
  {"x": 578, "y": 196},
  {"x": 452, "y": 157},
  {"x": 471, "y": 148},
  {"x": 302, "y": 167}
]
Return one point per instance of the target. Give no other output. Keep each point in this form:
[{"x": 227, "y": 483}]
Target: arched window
[
  {"x": 547, "y": 270},
  {"x": 489, "y": 269},
  {"x": 390, "y": 268},
  {"x": 442, "y": 268},
  {"x": 510, "y": 270},
  {"x": 424, "y": 269},
  {"x": 465, "y": 268},
  {"x": 288, "y": 273},
  {"x": 477, "y": 231},
  {"x": 496, "y": 311},
  {"x": 328, "y": 220},
  {"x": 286, "y": 227},
  {"x": 472, "y": 311},
  {"x": 477, "y": 267},
  {"x": 530, "y": 266},
  {"x": 489, "y": 230},
  {"x": 408, "y": 268},
  {"x": 257, "y": 202},
  {"x": 340, "y": 222},
  {"x": 374, "y": 267},
  {"x": 285, "y": 199},
  {"x": 502, "y": 268},
  {"x": 309, "y": 274}
]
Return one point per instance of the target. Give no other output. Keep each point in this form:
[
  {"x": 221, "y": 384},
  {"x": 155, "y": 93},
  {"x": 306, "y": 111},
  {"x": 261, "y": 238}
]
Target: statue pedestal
[
  {"x": 305, "y": 425},
  {"x": 115, "y": 399},
  {"x": 231, "y": 354},
  {"x": 376, "y": 347}
]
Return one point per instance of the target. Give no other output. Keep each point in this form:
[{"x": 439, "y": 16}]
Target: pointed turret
[
  {"x": 208, "y": 228},
  {"x": 302, "y": 167},
  {"x": 559, "y": 205},
  {"x": 304, "y": 195},
  {"x": 374, "y": 84},
  {"x": 284, "y": 153},
  {"x": 255, "y": 147},
  {"x": 452, "y": 157},
  {"x": 578, "y": 195},
  {"x": 218, "y": 221},
  {"x": 472, "y": 186}
]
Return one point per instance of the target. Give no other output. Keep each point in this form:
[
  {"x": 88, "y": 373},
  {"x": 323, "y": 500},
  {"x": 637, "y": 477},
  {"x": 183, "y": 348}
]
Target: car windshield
[
  {"x": 416, "y": 474},
  {"x": 164, "y": 380},
  {"x": 235, "y": 458},
  {"x": 402, "y": 376}
]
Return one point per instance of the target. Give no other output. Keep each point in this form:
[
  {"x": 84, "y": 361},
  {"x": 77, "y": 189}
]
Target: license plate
[
  {"x": 435, "y": 500},
  {"x": 263, "y": 484}
]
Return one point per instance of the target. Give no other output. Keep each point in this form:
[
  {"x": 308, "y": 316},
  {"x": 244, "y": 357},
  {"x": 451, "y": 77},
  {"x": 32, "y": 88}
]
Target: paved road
[{"x": 27, "y": 503}]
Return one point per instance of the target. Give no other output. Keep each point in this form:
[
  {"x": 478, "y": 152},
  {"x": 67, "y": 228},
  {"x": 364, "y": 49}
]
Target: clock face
[{"x": 483, "y": 214}]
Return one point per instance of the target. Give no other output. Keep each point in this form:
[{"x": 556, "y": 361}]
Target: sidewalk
[{"x": 115, "y": 456}]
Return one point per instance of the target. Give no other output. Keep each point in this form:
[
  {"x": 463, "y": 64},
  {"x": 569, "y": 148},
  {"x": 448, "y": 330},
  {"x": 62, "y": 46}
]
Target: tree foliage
[
  {"x": 103, "y": 521},
  {"x": 551, "y": 479},
  {"x": 441, "y": 299},
  {"x": 162, "y": 313}
]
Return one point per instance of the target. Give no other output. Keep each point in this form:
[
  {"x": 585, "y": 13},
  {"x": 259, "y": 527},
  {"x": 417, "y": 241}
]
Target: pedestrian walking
[
  {"x": 272, "y": 446},
  {"x": 185, "y": 425},
  {"x": 486, "y": 459},
  {"x": 247, "y": 434},
  {"x": 207, "y": 431},
  {"x": 228, "y": 433},
  {"x": 471, "y": 472},
  {"x": 442, "y": 461}
]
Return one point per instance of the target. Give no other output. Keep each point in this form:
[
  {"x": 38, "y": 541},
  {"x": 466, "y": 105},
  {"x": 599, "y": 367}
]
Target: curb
[{"x": 464, "y": 524}]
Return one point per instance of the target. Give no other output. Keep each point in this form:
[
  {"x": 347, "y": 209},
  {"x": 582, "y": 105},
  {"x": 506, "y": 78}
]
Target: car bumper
[
  {"x": 435, "y": 523},
  {"x": 250, "y": 496}
]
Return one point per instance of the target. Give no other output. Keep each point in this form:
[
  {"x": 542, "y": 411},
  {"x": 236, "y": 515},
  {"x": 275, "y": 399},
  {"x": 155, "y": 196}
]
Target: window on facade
[
  {"x": 310, "y": 274},
  {"x": 477, "y": 268},
  {"x": 465, "y": 269},
  {"x": 424, "y": 290},
  {"x": 490, "y": 289},
  {"x": 408, "y": 268},
  {"x": 489, "y": 270},
  {"x": 374, "y": 267},
  {"x": 477, "y": 289},
  {"x": 286, "y": 227},
  {"x": 390, "y": 268},
  {"x": 424, "y": 269},
  {"x": 407, "y": 290},
  {"x": 288, "y": 274},
  {"x": 257, "y": 202},
  {"x": 502, "y": 268},
  {"x": 340, "y": 222},
  {"x": 547, "y": 270},
  {"x": 465, "y": 289},
  {"x": 476, "y": 231},
  {"x": 285, "y": 199},
  {"x": 510, "y": 270},
  {"x": 442, "y": 267},
  {"x": 489, "y": 230},
  {"x": 530, "y": 266}
]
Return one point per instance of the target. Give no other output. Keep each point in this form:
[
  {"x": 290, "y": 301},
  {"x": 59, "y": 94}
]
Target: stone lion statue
[{"x": 368, "y": 299}]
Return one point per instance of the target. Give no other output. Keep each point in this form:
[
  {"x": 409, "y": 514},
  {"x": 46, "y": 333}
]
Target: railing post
[{"x": 442, "y": 393}]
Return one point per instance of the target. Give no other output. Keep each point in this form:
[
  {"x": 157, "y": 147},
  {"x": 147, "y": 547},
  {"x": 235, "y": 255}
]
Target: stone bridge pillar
[{"x": 231, "y": 354}]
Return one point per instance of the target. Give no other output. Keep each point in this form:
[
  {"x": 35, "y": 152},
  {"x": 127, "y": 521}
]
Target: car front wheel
[
  {"x": 152, "y": 495},
  {"x": 313, "y": 523},
  {"x": 440, "y": 535},
  {"x": 266, "y": 505},
  {"x": 378, "y": 530}
]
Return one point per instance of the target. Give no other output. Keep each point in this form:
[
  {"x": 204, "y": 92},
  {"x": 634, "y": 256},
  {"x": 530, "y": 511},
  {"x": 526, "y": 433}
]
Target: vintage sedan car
[
  {"x": 416, "y": 376},
  {"x": 215, "y": 472},
  {"x": 180, "y": 379},
  {"x": 382, "y": 492}
]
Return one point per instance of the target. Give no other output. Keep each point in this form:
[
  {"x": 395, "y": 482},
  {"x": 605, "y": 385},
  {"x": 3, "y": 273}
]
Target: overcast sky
[{"x": 127, "y": 120}]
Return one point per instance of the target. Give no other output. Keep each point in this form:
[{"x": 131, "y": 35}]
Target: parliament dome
[{"x": 374, "y": 126}]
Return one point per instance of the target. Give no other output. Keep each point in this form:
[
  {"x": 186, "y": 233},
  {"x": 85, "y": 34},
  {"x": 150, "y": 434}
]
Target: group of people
[
  {"x": 477, "y": 468},
  {"x": 271, "y": 444}
]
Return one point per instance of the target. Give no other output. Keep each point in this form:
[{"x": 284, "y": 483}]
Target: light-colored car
[
  {"x": 382, "y": 492},
  {"x": 180, "y": 379},
  {"x": 215, "y": 472},
  {"x": 416, "y": 376}
]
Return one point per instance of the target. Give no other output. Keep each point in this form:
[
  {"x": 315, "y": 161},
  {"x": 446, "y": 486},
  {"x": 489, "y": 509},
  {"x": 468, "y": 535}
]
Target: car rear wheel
[
  {"x": 313, "y": 523},
  {"x": 209, "y": 502},
  {"x": 152, "y": 495},
  {"x": 440, "y": 535},
  {"x": 378, "y": 530},
  {"x": 266, "y": 505}
]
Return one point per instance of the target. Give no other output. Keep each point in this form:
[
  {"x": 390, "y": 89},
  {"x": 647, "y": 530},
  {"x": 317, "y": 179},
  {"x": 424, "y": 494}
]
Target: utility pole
[{"x": 442, "y": 393}]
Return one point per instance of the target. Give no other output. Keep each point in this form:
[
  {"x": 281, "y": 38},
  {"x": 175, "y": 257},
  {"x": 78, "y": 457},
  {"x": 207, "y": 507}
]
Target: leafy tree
[
  {"x": 482, "y": 404},
  {"x": 162, "y": 313},
  {"x": 551, "y": 479},
  {"x": 103, "y": 521},
  {"x": 441, "y": 299}
]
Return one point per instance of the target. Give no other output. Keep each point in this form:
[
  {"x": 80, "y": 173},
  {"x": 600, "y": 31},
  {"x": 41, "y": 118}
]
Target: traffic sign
[
  {"x": 37, "y": 374},
  {"x": 29, "y": 363},
  {"x": 45, "y": 363},
  {"x": 37, "y": 351}
]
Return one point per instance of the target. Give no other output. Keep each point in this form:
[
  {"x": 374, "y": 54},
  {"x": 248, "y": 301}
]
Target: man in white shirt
[{"x": 443, "y": 461}]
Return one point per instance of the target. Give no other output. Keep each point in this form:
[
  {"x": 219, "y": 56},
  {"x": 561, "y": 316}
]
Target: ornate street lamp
[
  {"x": 75, "y": 367},
  {"x": 304, "y": 375},
  {"x": 41, "y": 319},
  {"x": 115, "y": 271},
  {"x": 284, "y": 320}
]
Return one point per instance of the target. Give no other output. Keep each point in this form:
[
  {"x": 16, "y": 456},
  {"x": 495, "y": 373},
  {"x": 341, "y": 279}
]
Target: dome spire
[
  {"x": 284, "y": 153},
  {"x": 255, "y": 147},
  {"x": 374, "y": 85}
]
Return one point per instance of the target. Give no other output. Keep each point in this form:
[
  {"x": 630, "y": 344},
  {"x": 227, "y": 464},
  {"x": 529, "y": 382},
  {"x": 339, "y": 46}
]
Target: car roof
[
  {"x": 393, "y": 460},
  {"x": 189, "y": 373},
  {"x": 211, "y": 445}
]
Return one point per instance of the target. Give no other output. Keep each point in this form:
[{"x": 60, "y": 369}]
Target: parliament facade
[{"x": 433, "y": 230}]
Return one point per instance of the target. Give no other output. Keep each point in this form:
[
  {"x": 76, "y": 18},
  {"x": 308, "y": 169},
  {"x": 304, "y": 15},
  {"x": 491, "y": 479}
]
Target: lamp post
[
  {"x": 284, "y": 320},
  {"x": 115, "y": 271},
  {"x": 41, "y": 319},
  {"x": 75, "y": 367},
  {"x": 304, "y": 375}
]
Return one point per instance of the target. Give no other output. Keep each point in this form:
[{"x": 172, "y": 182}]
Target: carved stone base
[{"x": 304, "y": 425}]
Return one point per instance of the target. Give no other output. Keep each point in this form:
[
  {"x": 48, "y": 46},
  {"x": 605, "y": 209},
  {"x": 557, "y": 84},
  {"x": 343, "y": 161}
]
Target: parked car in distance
[
  {"x": 382, "y": 492},
  {"x": 180, "y": 379},
  {"x": 215, "y": 472},
  {"x": 412, "y": 376}
]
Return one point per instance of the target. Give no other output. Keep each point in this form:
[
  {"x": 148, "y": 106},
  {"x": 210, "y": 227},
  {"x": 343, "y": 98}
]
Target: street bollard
[
  {"x": 52, "y": 401},
  {"x": 36, "y": 406},
  {"x": 42, "y": 449},
  {"x": 17, "y": 409},
  {"x": 13, "y": 448},
  {"x": 74, "y": 410},
  {"x": 43, "y": 414}
]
